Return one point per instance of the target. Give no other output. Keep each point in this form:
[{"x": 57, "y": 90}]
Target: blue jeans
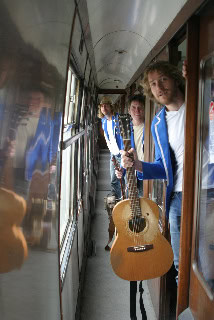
[
  {"x": 115, "y": 183},
  {"x": 175, "y": 223}
]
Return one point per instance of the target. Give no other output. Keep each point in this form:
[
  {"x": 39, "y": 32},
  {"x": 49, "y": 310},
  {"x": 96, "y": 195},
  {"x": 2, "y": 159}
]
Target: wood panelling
[{"x": 189, "y": 166}]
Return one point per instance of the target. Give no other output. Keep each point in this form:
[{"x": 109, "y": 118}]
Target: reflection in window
[
  {"x": 71, "y": 101},
  {"x": 181, "y": 53},
  {"x": 67, "y": 98},
  {"x": 205, "y": 216},
  {"x": 82, "y": 109},
  {"x": 65, "y": 191},
  {"x": 80, "y": 168},
  {"x": 74, "y": 186}
]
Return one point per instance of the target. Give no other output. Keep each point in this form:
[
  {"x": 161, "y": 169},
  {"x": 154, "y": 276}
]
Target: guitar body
[{"x": 150, "y": 263}]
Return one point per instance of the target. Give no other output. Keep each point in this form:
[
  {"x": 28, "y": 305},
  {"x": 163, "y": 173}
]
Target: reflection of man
[
  {"x": 28, "y": 125},
  {"x": 41, "y": 151},
  {"x": 206, "y": 205},
  {"x": 205, "y": 214},
  {"x": 113, "y": 140},
  {"x": 38, "y": 140}
]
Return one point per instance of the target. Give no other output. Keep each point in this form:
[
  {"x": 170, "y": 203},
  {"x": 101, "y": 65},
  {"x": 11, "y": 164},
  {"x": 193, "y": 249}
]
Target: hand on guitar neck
[
  {"x": 119, "y": 172},
  {"x": 130, "y": 159},
  {"x": 119, "y": 175}
]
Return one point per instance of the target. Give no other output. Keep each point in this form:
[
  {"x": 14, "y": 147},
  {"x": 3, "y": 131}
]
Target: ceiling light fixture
[{"x": 121, "y": 51}]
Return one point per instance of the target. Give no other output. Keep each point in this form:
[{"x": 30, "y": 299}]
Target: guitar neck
[
  {"x": 133, "y": 192},
  {"x": 132, "y": 186}
]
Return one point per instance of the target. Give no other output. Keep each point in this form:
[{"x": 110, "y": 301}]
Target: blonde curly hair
[
  {"x": 167, "y": 69},
  {"x": 105, "y": 100}
]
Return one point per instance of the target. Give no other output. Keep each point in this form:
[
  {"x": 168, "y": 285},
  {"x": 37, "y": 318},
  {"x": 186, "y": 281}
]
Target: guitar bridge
[{"x": 142, "y": 248}]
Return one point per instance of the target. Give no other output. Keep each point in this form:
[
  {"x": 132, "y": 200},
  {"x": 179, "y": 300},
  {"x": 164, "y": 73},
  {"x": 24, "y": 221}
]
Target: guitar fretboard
[{"x": 133, "y": 193}]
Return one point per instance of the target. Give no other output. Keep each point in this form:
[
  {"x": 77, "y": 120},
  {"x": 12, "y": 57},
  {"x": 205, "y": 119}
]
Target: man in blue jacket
[
  {"x": 164, "y": 84},
  {"x": 113, "y": 139},
  {"x": 137, "y": 113}
]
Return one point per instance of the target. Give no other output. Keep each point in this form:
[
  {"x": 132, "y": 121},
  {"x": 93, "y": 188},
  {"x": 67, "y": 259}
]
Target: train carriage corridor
[{"x": 105, "y": 296}]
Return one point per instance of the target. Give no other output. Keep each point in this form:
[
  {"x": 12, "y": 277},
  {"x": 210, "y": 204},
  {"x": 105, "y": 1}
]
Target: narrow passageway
[{"x": 106, "y": 296}]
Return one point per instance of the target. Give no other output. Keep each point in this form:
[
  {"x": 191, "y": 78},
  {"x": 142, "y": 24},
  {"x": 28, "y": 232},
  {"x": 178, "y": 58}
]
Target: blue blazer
[
  {"x": 115, "y": 129},
  {"x": 44, "y": 145},
  {"x": 162, "y": 167}
]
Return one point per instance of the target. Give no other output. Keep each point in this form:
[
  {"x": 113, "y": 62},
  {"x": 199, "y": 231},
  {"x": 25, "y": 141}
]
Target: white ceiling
[{"x": 124, "y": 32}]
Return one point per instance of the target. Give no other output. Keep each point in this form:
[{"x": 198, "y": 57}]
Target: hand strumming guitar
[{"x": 130, "y": 159}]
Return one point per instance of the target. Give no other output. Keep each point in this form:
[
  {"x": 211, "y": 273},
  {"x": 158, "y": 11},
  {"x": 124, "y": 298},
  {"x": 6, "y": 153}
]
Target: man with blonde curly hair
[
  {"x": 166, "y": 69},
  {"x": 163, "y": 83}
]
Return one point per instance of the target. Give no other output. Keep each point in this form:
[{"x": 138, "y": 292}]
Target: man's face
[
  {"x": 106, "y": 109},
  {"x": 136, "y": 111},
  {"x": 36, "y": 102},
  {"x": 164, "y": 88}
]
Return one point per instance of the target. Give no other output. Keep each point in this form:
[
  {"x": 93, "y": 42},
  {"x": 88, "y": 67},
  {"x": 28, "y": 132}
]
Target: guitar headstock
[{"x": 125, "y": 126}]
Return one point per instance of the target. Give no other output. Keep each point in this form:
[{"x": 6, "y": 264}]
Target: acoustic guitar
[
  {"x": 139, "y": 251},
  {"x": 13, "y": 246}
]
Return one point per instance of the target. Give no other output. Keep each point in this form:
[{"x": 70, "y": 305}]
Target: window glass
[
  {"x": 182, "y": 53},
  {"x": 77, "y": 94},
  {"x": 73, "y": 192},
  {"x": 80, "y": 167},
  {"x": 67, "y": 98},
  {"x": 72, "y": 99},
  {"x": 65, "y": 191},
  {"x": 82, "y": 109},
  {"x": 87, "y": 72},
  {"x": 205, "y": 214}
]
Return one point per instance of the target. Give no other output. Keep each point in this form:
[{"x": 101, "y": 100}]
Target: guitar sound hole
[{"x": 137, "y": 224}]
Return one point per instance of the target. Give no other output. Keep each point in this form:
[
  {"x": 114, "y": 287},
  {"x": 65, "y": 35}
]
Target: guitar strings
[
  {"x": 125, "y": 128},
  {"x": 135, "y": 204},
  {"x": 134, "y": 220}
]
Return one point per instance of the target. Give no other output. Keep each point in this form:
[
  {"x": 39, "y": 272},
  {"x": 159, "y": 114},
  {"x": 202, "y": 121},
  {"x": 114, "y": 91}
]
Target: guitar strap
[
  {"x": 142, "y": 308},
  {"x": 133, "y": 293}
]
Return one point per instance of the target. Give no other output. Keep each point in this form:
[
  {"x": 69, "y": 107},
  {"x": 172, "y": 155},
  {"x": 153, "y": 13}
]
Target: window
[
  {"x": 205, "y": 201},
  {"x": 65, "y": 191},
  {"x": 68, "y": 197},
  {"x": 71, "y": 101}
]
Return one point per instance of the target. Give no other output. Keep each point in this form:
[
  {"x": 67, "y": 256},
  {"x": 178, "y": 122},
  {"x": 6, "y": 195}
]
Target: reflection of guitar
[
  {"x": 13, "y": 246},
  {"x": 140, "y": 251}
]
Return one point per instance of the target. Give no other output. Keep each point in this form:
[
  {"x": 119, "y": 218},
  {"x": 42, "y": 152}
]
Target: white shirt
[
  {"x": 111, "y": 143},
  {"x": 138, "y": 136},
  {"x": 175, "y": 124}
]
